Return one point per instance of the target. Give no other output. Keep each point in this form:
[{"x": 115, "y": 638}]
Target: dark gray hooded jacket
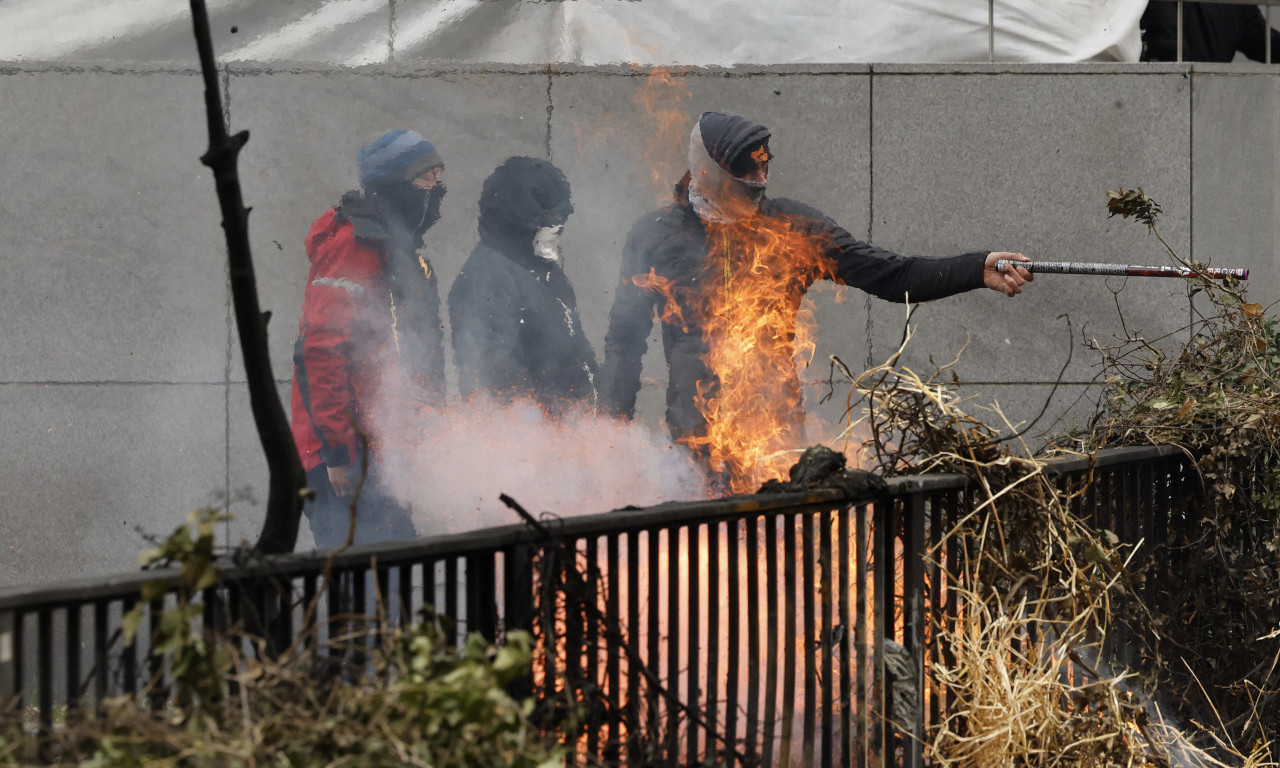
[{"x": 514, "y": 316}]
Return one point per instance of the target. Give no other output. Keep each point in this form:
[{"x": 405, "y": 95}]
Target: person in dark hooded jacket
[
  {"x": 1210, "y": 32},
  {"x": 513, "y": 313},
  {"x": 687, "y": 263},
  {"x": 370, "y": 330}
]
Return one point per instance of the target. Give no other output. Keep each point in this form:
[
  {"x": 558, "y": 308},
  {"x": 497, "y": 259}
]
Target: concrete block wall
[{"x": 122, "y": 393}]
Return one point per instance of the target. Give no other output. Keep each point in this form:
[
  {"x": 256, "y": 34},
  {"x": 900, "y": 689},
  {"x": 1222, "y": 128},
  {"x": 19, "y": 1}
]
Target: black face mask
[
  {"x": 413, "y": 209},
  {"x": 433, "y": 198}
]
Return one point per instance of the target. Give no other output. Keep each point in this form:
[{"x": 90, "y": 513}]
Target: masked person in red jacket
[{"x": 370, "y": 332}]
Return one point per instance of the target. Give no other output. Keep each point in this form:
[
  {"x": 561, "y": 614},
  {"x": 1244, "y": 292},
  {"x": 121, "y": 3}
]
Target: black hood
[
  {"x": 718, "y": 144},
  {"x": 726, "y": 135},
  {"x": 521, "y": 196}
]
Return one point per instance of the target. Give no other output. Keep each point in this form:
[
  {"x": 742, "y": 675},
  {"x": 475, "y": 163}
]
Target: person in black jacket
[
  {"x": 699, "y": 264},
  {"x": 514, "y": 316},
  {"x": 1210, "y": 32}
]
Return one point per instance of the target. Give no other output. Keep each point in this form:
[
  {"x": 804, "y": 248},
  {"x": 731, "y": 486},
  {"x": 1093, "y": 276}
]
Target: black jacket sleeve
[
  {"x": 885, "y": 274},
  {"x": 892, "y": 277},
  {"x": 630, "y": 321}
]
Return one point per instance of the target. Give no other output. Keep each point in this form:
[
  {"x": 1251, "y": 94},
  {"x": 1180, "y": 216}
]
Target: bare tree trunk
[{"x": 284, "y": 500}]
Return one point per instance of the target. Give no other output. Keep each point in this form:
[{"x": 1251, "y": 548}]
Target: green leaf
[{"x": 1095, "y": 554}]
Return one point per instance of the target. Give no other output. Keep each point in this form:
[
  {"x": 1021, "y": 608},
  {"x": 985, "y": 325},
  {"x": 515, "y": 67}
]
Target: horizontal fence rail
[{"x": 775, "y": 629}]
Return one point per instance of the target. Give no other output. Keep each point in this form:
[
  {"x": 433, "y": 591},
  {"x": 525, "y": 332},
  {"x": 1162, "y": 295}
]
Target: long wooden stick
[{"x": 288, "y": 480}]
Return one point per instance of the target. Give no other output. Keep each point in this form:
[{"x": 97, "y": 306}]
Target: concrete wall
[{"x": 122, "y": 395}]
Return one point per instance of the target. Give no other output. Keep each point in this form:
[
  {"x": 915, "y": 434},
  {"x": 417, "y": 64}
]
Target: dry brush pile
[{"x": 1042, "y": 589}]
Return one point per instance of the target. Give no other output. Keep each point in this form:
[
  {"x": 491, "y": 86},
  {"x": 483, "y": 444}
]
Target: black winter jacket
[
  {"x": 1210, "y": 32},
  {"x": 673, "y": 243},
  {"x": 514, "y": 316}
]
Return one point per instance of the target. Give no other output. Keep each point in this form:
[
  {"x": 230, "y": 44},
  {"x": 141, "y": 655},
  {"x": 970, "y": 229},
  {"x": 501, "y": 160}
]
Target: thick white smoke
[{"x": 451, "y": 465}]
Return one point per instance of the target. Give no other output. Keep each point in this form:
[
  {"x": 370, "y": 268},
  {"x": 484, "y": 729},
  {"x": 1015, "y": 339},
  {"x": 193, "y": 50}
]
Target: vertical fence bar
[
  {"x": 693, "y": 593},
  {"x": 481, "y": 589},
  {"x": 913, "y": 582},
  {"x": 1180, "y": 30},
  {"x": 991, "y": 30},
  {"x": 673, "y": 642},
  {"x": 789, "y": 635},
  {"x": 633, "y": 571},
  {"x": 73, "y": 681},
  {"x": 451, "y": 565},
  {"x": 385, "y": 609},
  {"x": 518, "y": 586},
  {"x": 846, "y": 566},
  {"x": 752, "y": 564},
  {"x": 808, "y": 644},
  {"x": 429, "y": 585},
  {"x": 715, "y": 646},
  {"x": 939, "y": 520},
  {"x": 408, "y": 612},
  {"x": 44, "y": 667},
  {"x": 100, "y": 671},
  {"x": 862, "y": 756},
  {"x": 733, "y": 666},
  {"x": 616, "y": 646},
  {"x": 882, "y": 551},
  {"x": 588, "y": 646},
  {"x": 128, "y": 654},
  {"x": 653, "y": 640},
  {"x": 772, "y": 521},
  {"x": 826, "y": 635},
  {"x": 10, "y": 682},
  {"x": 156, "y": 689},
  {"x": 307, "y": 629}
]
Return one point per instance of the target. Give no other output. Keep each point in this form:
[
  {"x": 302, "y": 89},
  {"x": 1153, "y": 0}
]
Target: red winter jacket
[{"x": 348, "y": 342}]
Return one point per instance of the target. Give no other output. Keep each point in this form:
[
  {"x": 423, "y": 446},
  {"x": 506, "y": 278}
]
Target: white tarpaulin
[
  {"x": 726, "y": 32},
  {"x": 651, "y": 32}
]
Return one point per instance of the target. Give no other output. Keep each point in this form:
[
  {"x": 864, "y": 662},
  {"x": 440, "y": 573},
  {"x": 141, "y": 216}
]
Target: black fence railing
[{"x": 775, "y": 629}]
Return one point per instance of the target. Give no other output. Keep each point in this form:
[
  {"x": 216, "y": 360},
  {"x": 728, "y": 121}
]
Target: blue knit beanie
[{"x": 397, "y": 155}]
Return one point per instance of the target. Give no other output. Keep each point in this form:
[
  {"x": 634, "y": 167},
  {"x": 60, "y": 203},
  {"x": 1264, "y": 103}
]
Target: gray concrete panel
[
  {"x": 111, "y": 239},
  {"x": 97, "y": 463},
  {"x": 1023, "y": 162},
  {"x": 1236, "y": 176},
  {"x": 306, "y": 128}
]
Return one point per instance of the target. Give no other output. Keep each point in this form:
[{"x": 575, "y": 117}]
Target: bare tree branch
[{"x": 288, "y": 480}]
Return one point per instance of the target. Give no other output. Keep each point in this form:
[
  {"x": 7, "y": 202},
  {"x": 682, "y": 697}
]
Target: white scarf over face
[
  {"x": 715, "y": 194},
  {"x": 546, "y": 243}
]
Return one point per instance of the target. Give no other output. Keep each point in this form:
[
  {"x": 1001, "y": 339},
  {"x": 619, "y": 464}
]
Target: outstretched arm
[{"x": 894, "y": 277}]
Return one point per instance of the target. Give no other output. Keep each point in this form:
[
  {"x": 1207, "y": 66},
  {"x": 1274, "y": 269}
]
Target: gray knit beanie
[{"x": 397, "y": 155}]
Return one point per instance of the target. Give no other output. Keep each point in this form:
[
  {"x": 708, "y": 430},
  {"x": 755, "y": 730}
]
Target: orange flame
[
  {"x": 757, "y": 331},
  {"x": 671, "y": 312}
]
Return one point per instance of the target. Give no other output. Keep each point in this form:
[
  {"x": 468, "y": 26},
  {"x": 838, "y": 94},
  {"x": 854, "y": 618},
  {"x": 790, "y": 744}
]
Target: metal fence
[{"x": 774, "y": 627}]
